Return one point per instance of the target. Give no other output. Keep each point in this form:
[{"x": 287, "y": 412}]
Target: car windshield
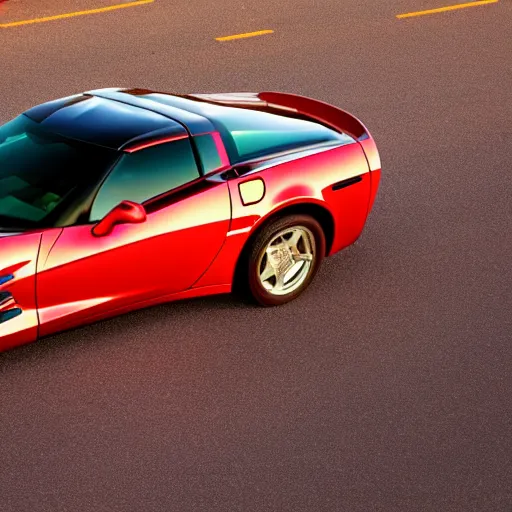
[{"x": 40, "y": 170}]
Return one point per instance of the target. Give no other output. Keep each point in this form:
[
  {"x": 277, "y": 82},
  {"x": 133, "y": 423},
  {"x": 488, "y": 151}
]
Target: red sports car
[{"x": 118, "y": 199}]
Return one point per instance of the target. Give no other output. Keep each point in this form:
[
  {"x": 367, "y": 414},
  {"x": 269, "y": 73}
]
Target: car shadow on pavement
[
  {"x": 101, "y": 332},
  {"x": 164, "y": 322}
]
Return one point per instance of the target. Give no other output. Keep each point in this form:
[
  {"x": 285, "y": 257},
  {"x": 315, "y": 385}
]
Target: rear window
[
  {"x": 250, "y": 134},
  {"x": 255, "y": 134}
]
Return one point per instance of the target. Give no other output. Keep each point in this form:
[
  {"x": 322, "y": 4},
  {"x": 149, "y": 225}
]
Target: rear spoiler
[
  {"x": 330, "y": 115},
  {"x": 315, "y": 109},
  {"x": 320, "y": 111}
]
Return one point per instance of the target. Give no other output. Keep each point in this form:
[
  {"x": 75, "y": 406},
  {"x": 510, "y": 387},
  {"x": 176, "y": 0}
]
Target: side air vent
[
  {"x": 8, "y": 314},
  {"x": 8, "y": 307},
  {"x": 5, "y": 298},
  {"x": 5, "y": 279}
]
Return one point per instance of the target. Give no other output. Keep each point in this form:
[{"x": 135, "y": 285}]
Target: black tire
[{"x": 249, "y": 271}]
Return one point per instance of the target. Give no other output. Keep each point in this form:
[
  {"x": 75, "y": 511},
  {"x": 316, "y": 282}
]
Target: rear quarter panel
[
  {"x": 310, "y": 180},
  {"x": 305, "y": 180}
]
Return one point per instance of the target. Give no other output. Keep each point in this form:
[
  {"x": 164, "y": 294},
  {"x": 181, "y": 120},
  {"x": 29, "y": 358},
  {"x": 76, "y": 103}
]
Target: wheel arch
[{"x": 320, "y": 213}]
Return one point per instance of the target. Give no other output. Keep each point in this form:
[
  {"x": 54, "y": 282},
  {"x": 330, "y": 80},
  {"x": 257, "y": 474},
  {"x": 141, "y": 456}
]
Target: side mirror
[{"x": 126, "y": 212}]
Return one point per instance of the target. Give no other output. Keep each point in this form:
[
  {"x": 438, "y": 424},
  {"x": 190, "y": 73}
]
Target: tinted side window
[
  {"x": 146, "y": 173},
  {"x": 208, "y": 153}
]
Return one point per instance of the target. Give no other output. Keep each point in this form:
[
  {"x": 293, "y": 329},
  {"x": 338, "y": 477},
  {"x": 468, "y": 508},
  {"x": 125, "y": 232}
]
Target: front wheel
[{"x": 283, "y": 259}]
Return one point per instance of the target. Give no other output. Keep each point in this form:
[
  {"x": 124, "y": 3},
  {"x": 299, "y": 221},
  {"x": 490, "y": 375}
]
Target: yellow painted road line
[
  {"x": 447, "y": 8},
  {"x": 242, "y": 36},
  {"x": 78, "y": 13}
]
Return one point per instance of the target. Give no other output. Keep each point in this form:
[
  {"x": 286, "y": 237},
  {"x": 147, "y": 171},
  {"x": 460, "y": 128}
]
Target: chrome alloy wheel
[{"x": 287, "y": 260}]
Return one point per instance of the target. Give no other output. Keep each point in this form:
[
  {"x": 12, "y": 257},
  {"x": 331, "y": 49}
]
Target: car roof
[
  {"x": 117, "y": 118},
  {"x": 114, "y": 119},
  {"x": 250, "y": 127}
]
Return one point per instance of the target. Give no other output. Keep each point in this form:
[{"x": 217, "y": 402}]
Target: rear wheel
[{"x": 283, "y": 259}]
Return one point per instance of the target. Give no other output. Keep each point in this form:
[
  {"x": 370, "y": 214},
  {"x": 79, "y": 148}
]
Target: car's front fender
[{"x": 18, "y": 311}]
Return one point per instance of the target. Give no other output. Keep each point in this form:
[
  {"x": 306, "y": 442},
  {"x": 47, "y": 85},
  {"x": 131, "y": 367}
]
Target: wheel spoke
[
  {"x": 280, "y": 281},
  {"x": 268, "y": 271},
  {"x": 296, "y": 253},
  {"x": 307, "y": 256},
  {"x": 294, "y": 240}
]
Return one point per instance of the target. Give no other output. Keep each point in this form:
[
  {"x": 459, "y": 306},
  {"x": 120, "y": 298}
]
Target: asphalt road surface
[{"x": 388, "y": 385}]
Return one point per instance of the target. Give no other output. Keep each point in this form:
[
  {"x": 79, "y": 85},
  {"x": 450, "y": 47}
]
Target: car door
[{"x": 87, "y": 277}]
